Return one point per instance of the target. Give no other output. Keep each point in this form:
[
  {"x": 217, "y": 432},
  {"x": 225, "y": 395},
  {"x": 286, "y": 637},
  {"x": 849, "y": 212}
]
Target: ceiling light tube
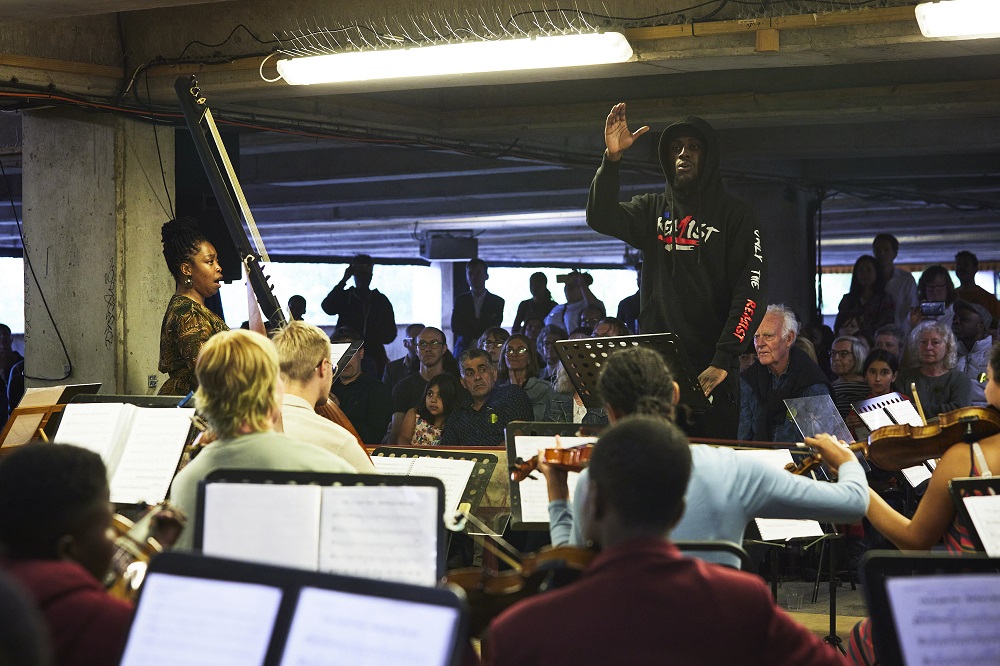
[
  {"x": 959, "y": 19},
  {"x": 460, "y": 58}
]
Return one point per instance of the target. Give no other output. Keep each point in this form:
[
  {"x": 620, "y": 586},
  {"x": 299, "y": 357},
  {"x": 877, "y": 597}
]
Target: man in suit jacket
[
  {"x": 640, "y": 601},
  {"x": 476, "y": 310}
]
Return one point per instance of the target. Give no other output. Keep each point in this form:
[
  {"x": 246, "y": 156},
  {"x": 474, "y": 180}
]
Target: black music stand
[
  {"x": 345, "y": 357},
  {"x": 583, "y": 359}
]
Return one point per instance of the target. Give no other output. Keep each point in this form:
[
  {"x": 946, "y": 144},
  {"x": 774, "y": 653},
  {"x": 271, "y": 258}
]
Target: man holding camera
[
  {"x": 364, "y": 310},
  {"x": 576, "y": 288},
  {"x": 702, "y": 260}
]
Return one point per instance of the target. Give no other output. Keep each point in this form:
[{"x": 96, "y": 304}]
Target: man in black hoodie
[{"x": 703, "y": 263}]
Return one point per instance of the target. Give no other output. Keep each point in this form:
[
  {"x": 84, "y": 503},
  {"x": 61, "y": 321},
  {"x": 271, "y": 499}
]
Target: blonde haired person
[
  {"x": 240, "y": 395},
  {"x": 307, "y": 373}
]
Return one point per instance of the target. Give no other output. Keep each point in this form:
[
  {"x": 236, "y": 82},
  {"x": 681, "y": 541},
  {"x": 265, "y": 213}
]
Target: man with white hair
[{"x": 782, "y": 371}]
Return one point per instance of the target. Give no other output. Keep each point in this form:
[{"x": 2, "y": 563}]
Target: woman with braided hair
[
  {"x": 187, "y": 324},
  {"x": 726, "y": 489}
]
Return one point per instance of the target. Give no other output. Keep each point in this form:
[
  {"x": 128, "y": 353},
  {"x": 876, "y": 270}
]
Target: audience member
[
  {"x": 532, "y": 327},
  {"x": 476, "y": 310},
  {"x": 822, "y": 337},
  {"x": 806, "y": 345},
  {"x": 364, "y": 310},
  {"x": 423, "y": 424},
  {"x": 307, "y": 373},
  {"x": 590, "y": 316},
  {"x": 640, "y": 583},
  {"x": 537, "y": 307},
  {"x": 727, "y": 490},
  {"x": 782, "y": 371},
  {"x": 432, "y": 348},
  {"x": 482, "y": 422},
  {"x": 934, "y": 288},
  {"x": 847, "y": 360},
  {"x": 365, "y": 401},
  {"x": 628, "y": 307},
  {"x": 296, "y": 307},
  {"x": 9, "y": 358},
  {"x": 966, "y": 267},
  {"x": 611, "y": 327},
  {"x": 880, "y": 369},
  {"x": 519, "y": 367},
  {"x": 546, "y": 346},
  {"x": 892, "y": 339},
  {"x": 491, "y": 342},
  {"x": 566, "y": 405},
  {"x": 55, "y": 519},
  {"x": 971, "y": 327},
  {"x": 399, "y": 369},
  {"x": 239, "y": 395},
  {"x": 867, "y": 300},
  {"x": 576, "y": 288},
  {"x": 941, "y": 387},
  {"x": 580, "y": 333},
  {"x": 898, "y": 282}
]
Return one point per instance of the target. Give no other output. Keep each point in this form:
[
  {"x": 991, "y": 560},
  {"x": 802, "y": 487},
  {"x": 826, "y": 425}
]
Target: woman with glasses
[
  {"x": 518, "y": 366},
  {"x": 491, "y": 341},
  {"x": 846, "y": 359}
]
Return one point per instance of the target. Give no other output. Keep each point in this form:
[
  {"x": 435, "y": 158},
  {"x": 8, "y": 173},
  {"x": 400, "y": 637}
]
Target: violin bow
[{"x": 916, "y": 400}]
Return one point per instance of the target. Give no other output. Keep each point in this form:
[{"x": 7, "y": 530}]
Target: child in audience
[{"x": 422, "y": 425}]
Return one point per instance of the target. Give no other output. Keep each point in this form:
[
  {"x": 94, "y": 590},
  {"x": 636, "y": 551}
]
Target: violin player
[
  {"x": 640, "y": 601},
  {"x": 726, "y": 489}
]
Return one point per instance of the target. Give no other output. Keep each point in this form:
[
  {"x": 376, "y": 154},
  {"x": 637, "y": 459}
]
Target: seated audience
[
  {"x": 966, "y": 267},
  {"x": 782, "y": 371},
  {"x": 640, "y": 601},
  {"x": 55, "y": 519},
  {"x": 491, "y": 342},
  {"x": 846, "y": 359},
  {"x": 935, "y": 521},
  {"x": 892, "y": 339},
  {"x": 477, "y": 309},
  {"x": 576, "y": 288},
  {"x": 566, "y": 405},
  {"x": 822, "y": 338},
  {"x": 365, "y": 401},
  {"x": 399, "y": 369},
  {"x": 971, "y": 327},
  {"x": 307, "y": 373},
  {"x": 537, "y": 307},
  {"x": 941, "y": 387},
  {"x": 727, "y": 490},
  {"x": 806, "y": 345},
  {"x": 432, "y": 350},
  {"x": 518, "y": 367},
  {"x": 580, "y": 333},
  {"x": 867, "y": 299},
  {"x": 934, "y": 286},
  {"x": 296, "y": 308},
  {"x": 532, "y": 327},
  {"x": 546, "y": 346},
  {"x": 590, "y": 316},
  {"x": 240, "y": 395},
  {"x": 880, "y": 370},
  {"x": 610, "y": 327},
  {"x": 482, "y": 422},
  {"x": 423, "y": 424}
]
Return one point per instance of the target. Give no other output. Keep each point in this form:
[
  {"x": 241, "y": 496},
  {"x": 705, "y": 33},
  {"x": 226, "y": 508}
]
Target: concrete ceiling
[{"x": 899, "y": 133}]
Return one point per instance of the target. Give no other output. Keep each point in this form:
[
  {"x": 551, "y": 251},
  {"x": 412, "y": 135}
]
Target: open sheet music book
[
  {"x": 371, "y": 531},
  {"x": 780, "y": 529},
  {"x": 888, "y": 409},
  {"x": 454, "y": 473},
  {"x": 984, "y": 512},
  {"x": 533, "y": 492},
  {"x": 31, "y": 410},
  {"x": 141, "y": 446}
]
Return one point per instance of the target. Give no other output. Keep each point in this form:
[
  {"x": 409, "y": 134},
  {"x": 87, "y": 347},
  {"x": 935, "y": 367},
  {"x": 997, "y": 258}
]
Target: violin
[
  {"x": 569, "y": 459},
  {"x": 896, "y": 447},
  {"x": 489, "y": 592}
]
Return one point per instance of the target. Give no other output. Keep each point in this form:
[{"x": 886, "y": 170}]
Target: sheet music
[
  {"x": 92, "y": 426},
  {"x": 332, "y": 627},
  {"x": 201, "y": 622},
  {"x": 950, "y": 619},
  {"x": 41, "y": 396},
  {"x": 392, "y": 465},
  {"x": 383, "y": 532},
  {"x": 534, "y": 492},
  {"x": 889, "y": 409},
  {"x": 916, "y": 475},
  {"x": 904, "y": 412},
  {"x": 454, "y": 473},
  {"x": 780, "y": 529},
  {"x": 22, "y": 429},
  {"x": 337, "y": 351},
  {"x": 876, "y": 418},
  {"x": 984, "y": 510},
  {"x": 150, "y": 455},
  {"x": 269, "y": 523}
]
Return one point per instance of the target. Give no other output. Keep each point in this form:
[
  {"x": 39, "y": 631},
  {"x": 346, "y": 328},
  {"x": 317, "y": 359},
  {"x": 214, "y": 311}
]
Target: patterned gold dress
[{"x": 186, "y": 326}]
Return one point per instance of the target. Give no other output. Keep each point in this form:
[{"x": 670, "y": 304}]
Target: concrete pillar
[
  {"x": 781, "y": 212},
  {"x": 94, "y": 200}
]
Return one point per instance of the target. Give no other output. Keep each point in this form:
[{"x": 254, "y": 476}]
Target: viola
[
  {"x": 896, "y": 447},
  {"x": 490, "y": 592},
  {"x": 569, "y": 459}
]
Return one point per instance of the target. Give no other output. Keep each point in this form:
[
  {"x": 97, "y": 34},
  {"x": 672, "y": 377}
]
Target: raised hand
[{"x": 617, "y": 136}]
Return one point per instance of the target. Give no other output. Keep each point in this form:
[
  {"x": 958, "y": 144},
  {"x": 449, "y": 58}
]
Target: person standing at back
[
  {"x": 476, "y": 310},
  {"x": 702, "y": 259},
  {"x": 898, "y": 282}
]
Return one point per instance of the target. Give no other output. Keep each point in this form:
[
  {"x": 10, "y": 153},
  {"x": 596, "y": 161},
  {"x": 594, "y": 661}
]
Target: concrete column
[
  {"x": 94, "y": 200},
  {"x": 447, "y": 269},
  {"x": 781, "y": 212}
]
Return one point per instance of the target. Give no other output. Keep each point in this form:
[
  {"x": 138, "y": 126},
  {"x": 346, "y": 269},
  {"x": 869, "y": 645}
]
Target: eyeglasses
[
  {"x": 841, "y": 353},
  {"x": 432, "y": 344},
  {"x": 516, "y": 351},
  {"x": 491, "y": 344}
]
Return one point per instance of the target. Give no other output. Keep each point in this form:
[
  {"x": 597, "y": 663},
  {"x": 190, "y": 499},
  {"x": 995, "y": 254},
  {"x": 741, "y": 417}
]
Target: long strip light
[
  {"x": 460, "y": 58},
  {"x": 959, "y": 19}
]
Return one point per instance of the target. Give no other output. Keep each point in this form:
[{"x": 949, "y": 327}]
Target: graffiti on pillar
[{"x": 109, "y": 299}]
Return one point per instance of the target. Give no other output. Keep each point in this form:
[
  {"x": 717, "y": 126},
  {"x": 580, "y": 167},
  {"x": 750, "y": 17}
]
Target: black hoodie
[{"x": 702, "y": 259}]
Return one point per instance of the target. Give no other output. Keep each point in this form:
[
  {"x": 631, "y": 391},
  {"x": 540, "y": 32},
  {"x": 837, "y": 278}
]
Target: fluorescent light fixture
[
  {"x": 461, "y": 58},
  {"x": 959, "y": 19}
]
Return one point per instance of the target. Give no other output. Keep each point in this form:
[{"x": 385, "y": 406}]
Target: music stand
[
  {"x": 344, "y": 352},
  {"x": 583, "y": 359},
  {"x": 39, "y": 412}
]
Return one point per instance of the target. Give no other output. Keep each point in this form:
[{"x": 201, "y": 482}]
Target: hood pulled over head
[{"x": 708, "y": 171}]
